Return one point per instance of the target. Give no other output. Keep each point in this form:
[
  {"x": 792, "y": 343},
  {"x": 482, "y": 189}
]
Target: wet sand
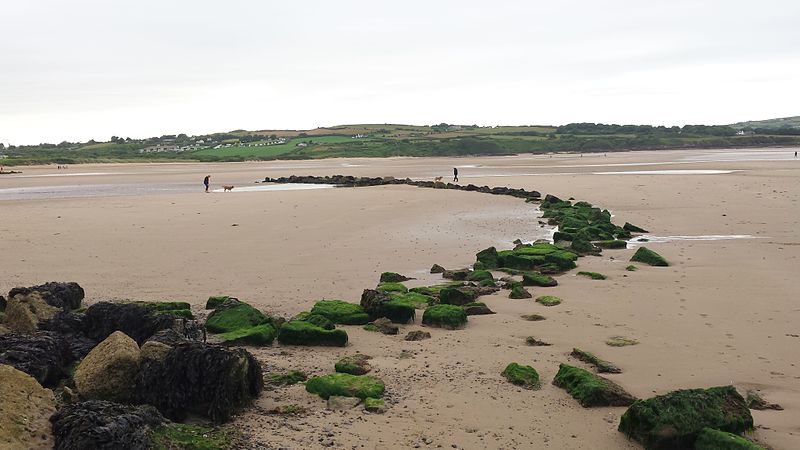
[{"x": 725, "y": 312}]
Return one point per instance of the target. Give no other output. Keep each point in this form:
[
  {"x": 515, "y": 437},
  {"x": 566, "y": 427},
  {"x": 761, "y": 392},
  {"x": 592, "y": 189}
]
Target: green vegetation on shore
[{"x": 405, "y": 140}]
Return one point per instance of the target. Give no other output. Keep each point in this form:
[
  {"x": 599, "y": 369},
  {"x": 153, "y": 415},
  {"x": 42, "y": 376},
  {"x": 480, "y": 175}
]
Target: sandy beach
[{"x": 725, "y": 312}]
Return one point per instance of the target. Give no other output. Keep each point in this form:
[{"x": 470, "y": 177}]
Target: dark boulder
[
  {"x": 134, "y": 319},
  {"x": 437, "y": 269},
  {"x": 379, "y": 304},
  {"x": 70, "y": 327},
  {"x": 393, "y": 277},
  {"x": 103, "y": 425},
  {"x": 204, "y": 379},
  {"x": 457, "y": 296},
  {"x": 42, "y": 356},
  {"x": 61, "y": 295},
  {"x": 3, "y": 302}
]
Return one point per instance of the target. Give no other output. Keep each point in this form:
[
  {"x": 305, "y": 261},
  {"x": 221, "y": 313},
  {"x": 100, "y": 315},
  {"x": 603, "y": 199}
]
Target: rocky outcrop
[
  {"x": 43, "y": 356},
  {"x": 589, "y": 389},
  {"x": 136, "y": 320},
  {"x": 196, "y": 378},
  {"x": 103, "y": 425},
  {"x": 417, "y": 335},
  {"x": 25, "y": 407},
  {"x": 61, "y": 295},
  {"x": 379, "y": 304},
  {"x": 109, "y": 371}
]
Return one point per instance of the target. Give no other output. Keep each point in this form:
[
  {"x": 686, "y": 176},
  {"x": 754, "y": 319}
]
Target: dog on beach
[
  {"x": 437, "y": 179},
  {"x": 227, "y": 188}
]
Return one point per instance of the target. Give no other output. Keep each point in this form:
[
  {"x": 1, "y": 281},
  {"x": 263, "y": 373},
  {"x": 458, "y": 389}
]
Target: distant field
[{"x": 270, "y": 151}]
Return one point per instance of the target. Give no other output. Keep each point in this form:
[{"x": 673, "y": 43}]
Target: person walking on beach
[
  {"x": 795, "y": 154},
  {"x": 455, "y": 174},
  {"x": 205, "y": 181}
]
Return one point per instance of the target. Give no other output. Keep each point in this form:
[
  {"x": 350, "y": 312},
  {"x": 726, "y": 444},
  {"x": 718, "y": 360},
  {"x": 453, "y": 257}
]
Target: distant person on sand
[
  {"x": 795, "y": 154},
  {"x": 455, "y": 174},
  {"x": 205, "y": 181}
]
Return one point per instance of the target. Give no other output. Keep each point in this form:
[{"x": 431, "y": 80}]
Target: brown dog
[
  {"x": 437, "y": 179},
  {"x": 227, "y": 188}
]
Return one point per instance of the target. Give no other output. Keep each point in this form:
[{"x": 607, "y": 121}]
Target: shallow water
[{"x": 651, "y": 239}]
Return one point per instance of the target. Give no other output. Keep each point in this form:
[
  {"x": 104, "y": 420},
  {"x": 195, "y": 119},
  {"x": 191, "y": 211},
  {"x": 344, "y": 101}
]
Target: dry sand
[{"x": 725, "y": 312}]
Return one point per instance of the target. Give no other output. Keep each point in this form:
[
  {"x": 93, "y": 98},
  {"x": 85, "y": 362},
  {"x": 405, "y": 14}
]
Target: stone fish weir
[{"x": 351, "y": 181}]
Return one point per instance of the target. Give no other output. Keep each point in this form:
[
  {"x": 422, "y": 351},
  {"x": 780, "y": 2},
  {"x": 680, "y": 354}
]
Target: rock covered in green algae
[
  {"x": 477, "y": 309},
  {"x": 589, "y": 389},
  {"x": 317, "y": 319},
  {"x": 338, "y": 311},
  {"x": 375, "y": 405},
  {"x": 613, "y": 244},
  {"x": 298, "y": 332},
  {"x": 602, "y": 366},
  {"x": 519, "y": 292},
  {"x": 592, "y": 275},
  {"x": 525, "y": 376},
  {"x": 711, "y": 439},
  {"x": 480, "y": 275},
  {"x": 456, "y": 296},
  {"x": 234, "y": 315},
  {"x": 195, "y": 437},
  {"x": 445, "y": 316},
  {"x": 633, "y": 228},
  {"x": 675, "y": 420},
  {"x": 392, "y": 287},
  {"x": 288, "y": 378},
  {"x": 346, "y": 385},
  {"x": 414, "y": 299},
  {"x": 262, "y": 334},
  {"x": 647, "y": 256},
  {"x": 488, "y": 258},
  {"x": 549, "y": 300},
  {"x": 214, "y": 302},
  {"x": 379, "y": 304},
  {"x": 354, "y": 364},
  {"x": 537, "y": 279},
  {"x": 392, "y": 277}
]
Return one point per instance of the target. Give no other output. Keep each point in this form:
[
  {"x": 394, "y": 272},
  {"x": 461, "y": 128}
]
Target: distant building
[
  {"x": 160, "y": 149},
  {"x": 302, "y": 144}
]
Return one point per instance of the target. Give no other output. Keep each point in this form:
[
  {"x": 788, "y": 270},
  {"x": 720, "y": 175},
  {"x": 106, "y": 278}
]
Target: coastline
[{"x": 706, "y": 297}]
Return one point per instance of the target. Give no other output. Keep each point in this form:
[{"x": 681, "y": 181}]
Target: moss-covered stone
[
  {"x": 346, "y": 385},
  {"x": 711, "y": 439},
  {"x": 338, "y": 311},
  {"x": 631, "y": 268},
  {"x": 525, "y": 376},
  {"x": 392, "y": 287},
  {"x": 392, "y": 277},
  {"x": 298, "y": 332},
  {"x": 676, "y": 419},
  {"x": 633, "y": 228},
  {"x": 487, "y": 283},
  {"x": 398, "y": 311},
  {"x": 414, "y": 299},
  {"x": 477, "y": 309},
  {"x": 548, "y": 300},
  {"x": 182, "y": 436},
  {"x": 590, "y": 389},
  {"x": 445, "y": 316},
  {"x": 235, "y": 316},
  {"x": 216, "y": 301},
  {"x": 583, "y": 247},
  {"x": 519, "y": 292},
  {"x": 354, "y": 364},
  {"x": 647, "y": 256},
  {"x": 457, "y": 275},
  {"x": 371, "y": 327},
  {"x": 317, "y": 319},
  {"x": 562, "y": 258},
  {"x": 592, "y": 275},
  {"x": 612, "y": 244},
  {"x": 456, "y": 296},
  {"x": 602, "y": 366},
  {"x": 262, "y": 334},
  {"x": 374, "y": 405},
  {"x": 480, "y": 275},
  {"x": 285, "y": 379},
  {"x": 537, "y": 279},
  {"x": 488, "y": 258}
]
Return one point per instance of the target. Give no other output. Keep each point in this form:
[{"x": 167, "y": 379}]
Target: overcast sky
[{"x": 82, "y": 69}]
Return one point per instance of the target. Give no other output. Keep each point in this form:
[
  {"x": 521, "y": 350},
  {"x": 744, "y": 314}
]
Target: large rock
[
  {"x": 379, "y": 304},
  {"x": 61, "y": 295},
  {"x": 235, "y": 315},
  {"x": 299, "y": 332},
  {"x": 25, "y": 311},
  {"x": 134, "y": 319},
  {"x": 103, "y": 425},
  {"x": 42, "y": 356},
  {"x": 109, "y": 371},
  {"x": 69, "y": 326},
  {"x": 204, "y": 379},
  {"x": 674, "y": 420},
  {"x": 589, "y": 389},
  {"x": 457, "y": 296},
  {"x": 25, "y": 407}
]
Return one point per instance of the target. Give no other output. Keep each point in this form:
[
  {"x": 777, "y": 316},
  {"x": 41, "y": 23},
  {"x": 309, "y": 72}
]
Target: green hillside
[{"x": 770, "y": 124}]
